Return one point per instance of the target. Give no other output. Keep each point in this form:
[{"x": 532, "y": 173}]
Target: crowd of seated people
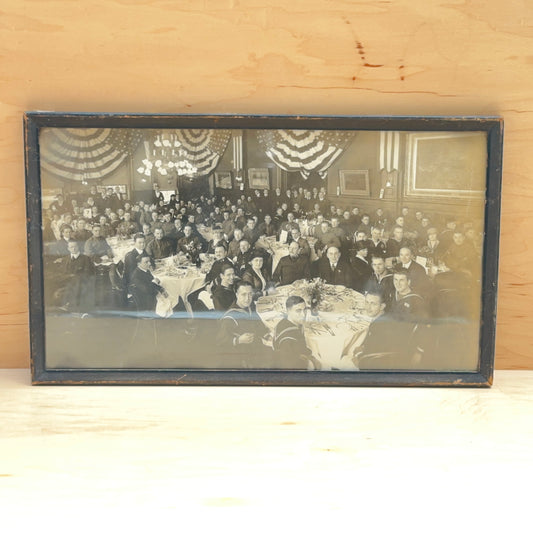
[{"x": 375, "y": 253}]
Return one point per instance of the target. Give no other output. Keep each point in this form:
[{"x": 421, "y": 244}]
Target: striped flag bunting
[
  {"x": 304, "y": 151},
  {"x": 202, "y": 148},
  {"x": 86, "y": 153}
]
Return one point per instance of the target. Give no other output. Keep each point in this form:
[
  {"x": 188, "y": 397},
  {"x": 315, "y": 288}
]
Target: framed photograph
[
  {"x": 382, "y": 276},
  {"x": 258, "y": 178},
  {"x": 354, "y": 182},
  {"x": 223, "y": 180}
]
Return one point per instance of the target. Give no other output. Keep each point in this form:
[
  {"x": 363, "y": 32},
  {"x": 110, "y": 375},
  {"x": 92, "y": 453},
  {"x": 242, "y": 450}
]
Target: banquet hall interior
[{"x": 123, "y": 179}]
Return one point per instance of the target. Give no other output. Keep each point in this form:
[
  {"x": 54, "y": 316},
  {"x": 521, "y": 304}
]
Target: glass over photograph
[{"x": 314, "y": 250}]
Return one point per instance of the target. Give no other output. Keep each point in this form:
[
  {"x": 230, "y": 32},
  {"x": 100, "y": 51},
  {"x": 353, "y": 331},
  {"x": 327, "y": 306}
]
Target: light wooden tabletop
[{"x": 252, "y": 458}]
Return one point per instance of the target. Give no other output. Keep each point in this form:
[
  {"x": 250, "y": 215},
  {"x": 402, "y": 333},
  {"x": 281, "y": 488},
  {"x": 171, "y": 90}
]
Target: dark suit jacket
[
  {"x": 130, "y": 264},
  {"x": 81, "y": 266},
  {"x": 342, "y": 274},
  {"x": 420, "y": 283},
  {"x": 159, "y": 249},
  {"x": 361, "y": 272},
  {"x": 290, "y": 270},
  {"x": 223, "y": 298},
  {"x": 144, "y": 291},
  {"x": 216, "y": 269}
]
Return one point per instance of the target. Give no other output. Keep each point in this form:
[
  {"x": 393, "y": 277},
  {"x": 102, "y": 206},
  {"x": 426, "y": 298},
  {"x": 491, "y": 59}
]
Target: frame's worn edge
[{"x": 493, "y": 125}]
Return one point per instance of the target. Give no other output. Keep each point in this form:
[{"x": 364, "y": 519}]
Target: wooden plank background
[{"x": 422, "y": 57}]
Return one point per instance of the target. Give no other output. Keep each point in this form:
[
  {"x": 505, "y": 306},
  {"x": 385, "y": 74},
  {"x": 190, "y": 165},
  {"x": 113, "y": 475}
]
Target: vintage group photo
[{"x": 262, "y": 249}]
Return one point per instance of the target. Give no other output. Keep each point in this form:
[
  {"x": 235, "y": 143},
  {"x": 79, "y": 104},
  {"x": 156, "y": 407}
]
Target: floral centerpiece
[
  {"x": 193, "y": 253},
  {"x": 314, "y": 291}
]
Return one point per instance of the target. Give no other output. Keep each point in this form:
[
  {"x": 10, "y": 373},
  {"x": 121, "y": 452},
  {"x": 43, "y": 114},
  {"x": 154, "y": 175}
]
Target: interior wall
[{"x": 305, "y": 57}]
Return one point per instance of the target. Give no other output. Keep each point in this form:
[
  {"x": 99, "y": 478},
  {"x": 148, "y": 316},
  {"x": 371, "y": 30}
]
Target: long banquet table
[{"x": 338, "y": 323}]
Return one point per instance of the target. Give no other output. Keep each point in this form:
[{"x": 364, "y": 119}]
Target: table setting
[
  {"x": 335, "y": 319},
  {"x": 179, "y": 277}
]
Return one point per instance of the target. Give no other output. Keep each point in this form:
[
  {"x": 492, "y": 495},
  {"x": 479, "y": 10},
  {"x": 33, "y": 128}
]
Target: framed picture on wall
[
  {"x": 223, "y": 180},
  {"x": 354, "y": 182},
  {"x": 444, "y": 164},
  {"x": 258, "y": 178},
  {"x": 221, "y": 286}
]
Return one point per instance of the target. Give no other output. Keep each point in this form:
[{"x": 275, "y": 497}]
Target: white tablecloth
[
  {"x": 338, "y": 324},
  {"x": 179, "y": 279}
]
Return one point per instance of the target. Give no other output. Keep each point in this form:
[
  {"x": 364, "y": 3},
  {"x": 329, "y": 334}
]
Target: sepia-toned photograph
[{"x": 260, "y": 249}]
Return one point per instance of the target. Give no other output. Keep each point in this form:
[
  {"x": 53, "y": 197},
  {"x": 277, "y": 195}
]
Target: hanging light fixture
[{"x": 167, "y": 158}]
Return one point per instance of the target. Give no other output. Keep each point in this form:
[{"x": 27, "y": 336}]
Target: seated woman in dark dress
[{"x": 257, "y": 276}]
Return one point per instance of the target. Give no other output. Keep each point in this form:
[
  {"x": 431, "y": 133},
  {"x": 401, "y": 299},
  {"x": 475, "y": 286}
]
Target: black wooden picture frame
[{"x": 57, "y": 355}]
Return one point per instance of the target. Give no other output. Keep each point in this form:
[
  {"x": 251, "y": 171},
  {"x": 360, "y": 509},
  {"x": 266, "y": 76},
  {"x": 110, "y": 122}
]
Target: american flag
[
  {"x": 203, "y": 148},
  {"x": 86, "y": 153},
  {"x": 304, "y": 151}
]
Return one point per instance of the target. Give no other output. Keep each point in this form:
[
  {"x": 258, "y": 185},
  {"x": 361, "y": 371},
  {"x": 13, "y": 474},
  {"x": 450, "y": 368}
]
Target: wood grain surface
[
  {"x": 420, "y": 57},
  {"x": 266, "y": 459}
]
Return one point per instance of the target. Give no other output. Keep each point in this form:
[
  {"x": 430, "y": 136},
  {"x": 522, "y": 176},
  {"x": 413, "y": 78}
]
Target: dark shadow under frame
[{"x": 493, "y": 126}]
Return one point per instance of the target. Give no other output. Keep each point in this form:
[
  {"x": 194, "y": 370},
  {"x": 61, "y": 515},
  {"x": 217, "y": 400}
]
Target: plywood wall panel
[{"x": 298, "y": 57}]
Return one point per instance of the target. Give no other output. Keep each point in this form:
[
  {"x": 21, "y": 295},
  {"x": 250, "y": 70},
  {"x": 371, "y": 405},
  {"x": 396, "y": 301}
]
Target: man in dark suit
[
  {"x": 360, "y": 266},
  {"x": 332, "y": 269},
  {"x": 130, "y": 260},
  {"x": 267, "y": 228},
  {"x": 221, "y": 261},
  {"x": 243, "y": 257},
  {"x": 144, "y": 287},
  {"x": 292, "y": 267},
  {"x": 296, "y": 236},
  {"x": 177, "y": 233},
  {"x": 396, "y": 242},
  {"x": 160, "y": 246},
  {"x": 420, "y": 282},
  {"x": 78, "y": 294}
]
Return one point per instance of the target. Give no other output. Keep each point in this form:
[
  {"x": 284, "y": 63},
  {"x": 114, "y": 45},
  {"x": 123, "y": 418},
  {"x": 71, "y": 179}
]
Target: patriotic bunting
[
  {"x": 202, "y": 148},
  {"x": 304, "y": 151},
  {"x": 82, "y": 154}
]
